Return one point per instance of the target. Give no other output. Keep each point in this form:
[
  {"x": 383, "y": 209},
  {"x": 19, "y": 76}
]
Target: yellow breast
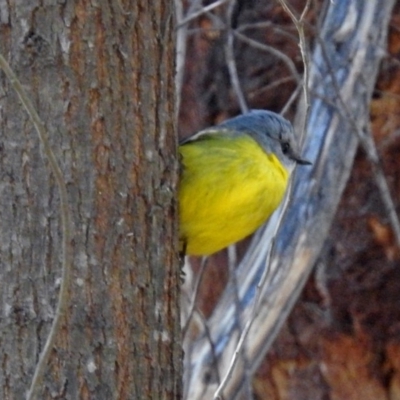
[{"x": 228, "y": 188}]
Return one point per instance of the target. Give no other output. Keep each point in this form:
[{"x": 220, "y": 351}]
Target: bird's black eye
[{"x": 285, "y": 148}]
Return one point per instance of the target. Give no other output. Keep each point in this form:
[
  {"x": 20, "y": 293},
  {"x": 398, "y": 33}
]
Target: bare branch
[
  {"x": 181, "y": 42},
  {"x": 364, "y": 135},
  {"x": 195, "y": 295},
  {"x": 230, "y": 60},
  {"x": 299, "y": 23},
  {"x": 263, "y": 47},
  {"x": 195, "y": 14}
]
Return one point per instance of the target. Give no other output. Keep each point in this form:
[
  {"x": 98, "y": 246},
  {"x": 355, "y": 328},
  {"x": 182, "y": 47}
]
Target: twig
[
  {"x": 368, "y": 145},
  {"x": 299, "y": 24},
  {"x": 270, "y": 86},
  {"x": 243, "y": 336},
  {"x": 63, "y": 297},
  {"x": 265, "y": 278},
  {"x": 267, "y": 24},
  {"x": 263, "y": 47},
  {"x": 232, "y": 262},
  {"x": 204, "y": 10},
  {"x": 180, "y": 55},
  {"x": 230, "y": 60},
  {"x": 380, "y": 179},
  {"x": 212, "y": 347},
  {"x": 292, "y": 98},
  {"x": 193, "y": 300}
]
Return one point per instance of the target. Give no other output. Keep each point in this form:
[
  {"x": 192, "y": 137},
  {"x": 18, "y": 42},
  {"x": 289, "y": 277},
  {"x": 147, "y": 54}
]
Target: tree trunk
[{"x": 100, "y": 76}]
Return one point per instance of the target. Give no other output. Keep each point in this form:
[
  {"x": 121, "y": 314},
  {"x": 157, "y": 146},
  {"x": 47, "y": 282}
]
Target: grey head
[{"x": 271, "y": 131}]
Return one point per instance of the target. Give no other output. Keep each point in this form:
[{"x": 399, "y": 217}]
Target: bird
[{"x": 233, "y": 176}]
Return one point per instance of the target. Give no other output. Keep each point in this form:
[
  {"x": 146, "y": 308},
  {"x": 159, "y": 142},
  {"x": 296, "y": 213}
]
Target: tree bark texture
[{"x": 100, "y": 75}]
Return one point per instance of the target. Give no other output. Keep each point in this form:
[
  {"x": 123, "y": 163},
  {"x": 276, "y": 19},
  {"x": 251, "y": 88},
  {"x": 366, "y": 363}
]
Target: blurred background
[{"x": 342, "y": 338}]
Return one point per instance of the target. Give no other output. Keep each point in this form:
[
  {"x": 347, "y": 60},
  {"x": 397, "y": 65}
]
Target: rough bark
[{"x": 101, "y": 77}]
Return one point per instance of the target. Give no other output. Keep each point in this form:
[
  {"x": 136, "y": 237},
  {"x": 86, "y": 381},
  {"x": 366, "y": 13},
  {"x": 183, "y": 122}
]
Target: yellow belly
[{"x": 228, "y": 188}]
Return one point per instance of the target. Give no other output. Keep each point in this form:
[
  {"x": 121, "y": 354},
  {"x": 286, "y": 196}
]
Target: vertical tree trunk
[{"x": 100, "y": 75}]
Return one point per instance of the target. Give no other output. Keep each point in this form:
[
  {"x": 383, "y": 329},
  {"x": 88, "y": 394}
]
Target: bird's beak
[{"x": 302, "y": 161}]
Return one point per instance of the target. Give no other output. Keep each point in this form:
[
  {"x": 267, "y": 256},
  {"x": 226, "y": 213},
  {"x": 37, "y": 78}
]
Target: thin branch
[
  {"x": 263, "y": 47},
  {"x": 299, "y": 24},
  {"x": 292, "y": 98},
  {"x": 63, "y": 297},
  {"x": 193, "y": 300},
  {"x": 264, "y": 282},
  {"x": 180, "y": 55},
  {"x": 370, "y": 150},
  {"x": 267, "y": 24},
  {"x": 271, "y": 86},
  {"x": 207, "y": 333},
  {"x": 239, "y": 348},
  {"x": 368, "y": 145},
  {"x": 204, "y": 10},
  {"x": 212, "y": 347},
  {"x": 381, "y": 181},
  {"x": 239, "y": 314},
  {"x": 230, "y": 60}
]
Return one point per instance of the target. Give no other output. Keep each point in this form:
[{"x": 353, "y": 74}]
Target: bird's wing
[{"x": 205, "y": 134}]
